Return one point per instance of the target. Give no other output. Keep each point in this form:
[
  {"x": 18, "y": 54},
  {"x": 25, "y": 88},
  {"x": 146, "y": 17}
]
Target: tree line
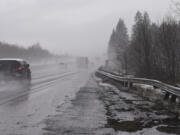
[
  {"x": 33, "y": 53},
  {"x": 151, "y": 51}
]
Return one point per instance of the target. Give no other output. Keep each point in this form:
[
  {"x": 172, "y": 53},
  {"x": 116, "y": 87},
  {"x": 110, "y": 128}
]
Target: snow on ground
[
  {"x": 149, "y": 91},
  {"x": 130, "y": 114},
  {"x": 147, "y": 131},
  {"x": 102, "y": 109},
  {"x": 144, "y": 86}
]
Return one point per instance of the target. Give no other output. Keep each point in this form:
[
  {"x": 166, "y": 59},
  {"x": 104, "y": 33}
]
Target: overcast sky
[{"x": 79, "y": 27}]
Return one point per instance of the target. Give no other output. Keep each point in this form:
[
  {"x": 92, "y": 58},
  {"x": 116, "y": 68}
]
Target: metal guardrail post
[
  {"x": 167, "y": 96},
  {"x": 173, "y": 98},
  {"x": 130, "y": 84}
]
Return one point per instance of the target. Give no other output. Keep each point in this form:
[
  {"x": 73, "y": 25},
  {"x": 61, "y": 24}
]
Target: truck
[{"x": 82, "y": 62}]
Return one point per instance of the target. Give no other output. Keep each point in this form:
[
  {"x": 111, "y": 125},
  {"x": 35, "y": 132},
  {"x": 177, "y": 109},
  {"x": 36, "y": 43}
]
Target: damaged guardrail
[{"x": 171, "y": 91}]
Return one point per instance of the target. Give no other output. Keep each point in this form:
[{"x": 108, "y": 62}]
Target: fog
[{"x": 78, "y": 27}]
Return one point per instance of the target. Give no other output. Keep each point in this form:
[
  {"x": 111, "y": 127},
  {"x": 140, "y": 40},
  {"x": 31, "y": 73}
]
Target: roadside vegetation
[
  {"x": 151, "y": 51},
  {"x": 32, "y": 53}
]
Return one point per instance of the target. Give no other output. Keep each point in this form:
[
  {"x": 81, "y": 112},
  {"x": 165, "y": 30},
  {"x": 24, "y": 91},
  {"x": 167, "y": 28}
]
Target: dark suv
[{"x": 14, "y": 68}]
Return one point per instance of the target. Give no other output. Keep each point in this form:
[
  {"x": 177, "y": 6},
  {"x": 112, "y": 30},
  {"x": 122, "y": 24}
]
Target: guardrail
[{"x": 169, "y": 89}]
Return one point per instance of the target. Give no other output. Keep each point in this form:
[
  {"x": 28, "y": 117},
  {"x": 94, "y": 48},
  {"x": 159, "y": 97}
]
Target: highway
[
  {"x": 70, "y": 101},
  {"x": 24, "y": 106}
]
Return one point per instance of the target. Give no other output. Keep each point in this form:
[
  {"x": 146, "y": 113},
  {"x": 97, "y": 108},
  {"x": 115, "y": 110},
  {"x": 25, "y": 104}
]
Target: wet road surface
[
  {"x": 102, "y": 109},
  {"x": 23, "y": 107},
  {"x": 63, "y": 101},
  {"x": 83, "y": 115}
]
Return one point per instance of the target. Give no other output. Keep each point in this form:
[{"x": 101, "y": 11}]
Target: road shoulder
[{"x": 85, "y": 114}]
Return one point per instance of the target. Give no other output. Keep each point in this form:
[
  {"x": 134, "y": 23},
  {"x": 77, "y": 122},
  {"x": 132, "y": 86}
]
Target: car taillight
[{"x": 20, "y": 68}]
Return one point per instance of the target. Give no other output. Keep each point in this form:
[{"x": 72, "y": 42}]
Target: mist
[
  {"x": 94, "y": 67},
  {"x": 77, "y": 27}
]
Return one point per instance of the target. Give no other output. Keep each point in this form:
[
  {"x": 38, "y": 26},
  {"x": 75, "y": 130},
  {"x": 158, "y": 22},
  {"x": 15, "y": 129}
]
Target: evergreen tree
[
  {"x": 117, "y": 46},
  {"x": 141, "y": 44}
]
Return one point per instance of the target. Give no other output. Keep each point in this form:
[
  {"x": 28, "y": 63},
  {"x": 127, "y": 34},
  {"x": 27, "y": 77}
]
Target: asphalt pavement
[
  {"x": 23, "y": 106},
  {"x": 71, "y": 101}
]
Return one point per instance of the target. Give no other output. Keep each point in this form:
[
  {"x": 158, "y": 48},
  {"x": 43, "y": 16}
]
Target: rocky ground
[{"x": 102, "y": 109}]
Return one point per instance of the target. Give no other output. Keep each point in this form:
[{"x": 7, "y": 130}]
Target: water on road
[
  {"x": 23, "y": 107},
  {"x": 70, "y": 101}
]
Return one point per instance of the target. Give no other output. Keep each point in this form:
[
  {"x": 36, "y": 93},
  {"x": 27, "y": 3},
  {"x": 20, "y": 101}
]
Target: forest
[
  {"x": 34, "y": 53},
  {"x": 151, "y": 50}
]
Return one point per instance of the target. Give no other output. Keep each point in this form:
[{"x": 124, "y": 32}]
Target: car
[
  {"x": 63, "y": 64},
  {"x": 15, "y": 68}
]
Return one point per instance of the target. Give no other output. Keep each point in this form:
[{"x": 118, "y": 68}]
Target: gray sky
[{"x": 80, "y": 27}]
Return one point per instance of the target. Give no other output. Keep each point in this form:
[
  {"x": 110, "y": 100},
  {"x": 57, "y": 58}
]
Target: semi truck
[{"x": 82, "y": 62}]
